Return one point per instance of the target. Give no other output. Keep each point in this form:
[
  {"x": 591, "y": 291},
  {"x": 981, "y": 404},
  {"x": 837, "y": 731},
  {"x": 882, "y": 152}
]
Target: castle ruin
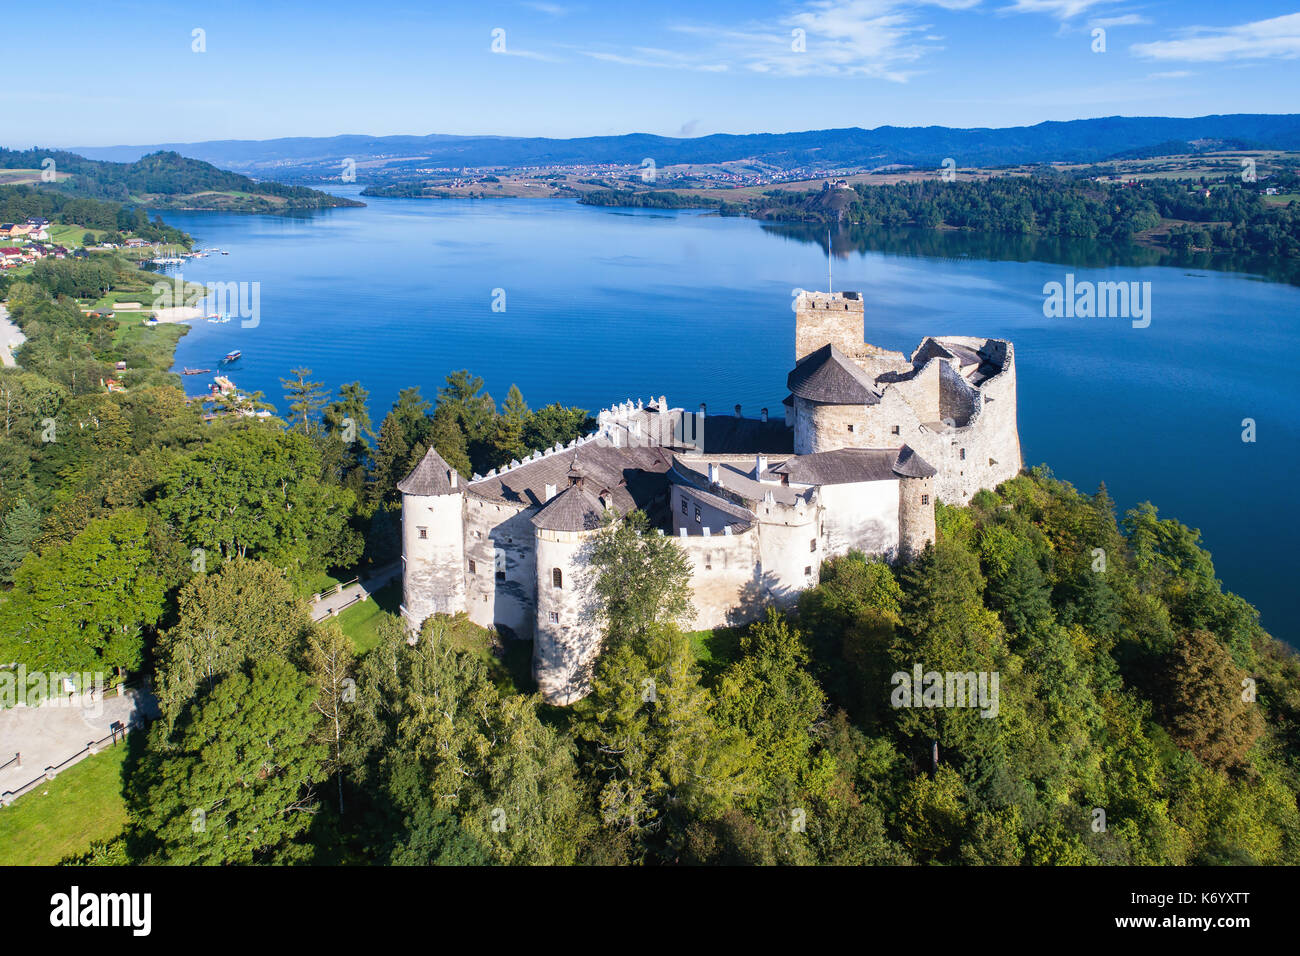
[{"x": 870, "y": 439}]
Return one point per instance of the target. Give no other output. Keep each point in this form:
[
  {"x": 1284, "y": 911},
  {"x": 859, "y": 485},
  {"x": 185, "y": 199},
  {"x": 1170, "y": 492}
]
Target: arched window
[{"x": 557, "y": 578}]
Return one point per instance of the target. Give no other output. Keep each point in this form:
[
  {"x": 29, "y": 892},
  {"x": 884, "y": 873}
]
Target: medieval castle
[{"x": 870, "y": 439}]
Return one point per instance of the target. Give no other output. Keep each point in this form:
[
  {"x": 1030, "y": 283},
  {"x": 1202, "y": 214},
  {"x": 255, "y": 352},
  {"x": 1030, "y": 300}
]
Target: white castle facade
[{"x": 869, "y": 441}]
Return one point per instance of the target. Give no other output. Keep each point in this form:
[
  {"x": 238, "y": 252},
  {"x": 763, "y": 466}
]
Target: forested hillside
[{"x": 164, "y": 180}]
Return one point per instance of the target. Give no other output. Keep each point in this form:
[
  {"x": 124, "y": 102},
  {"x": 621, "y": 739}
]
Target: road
[
  {"x": 344, "y": 598},
  {"x": 10, "y": 338}
]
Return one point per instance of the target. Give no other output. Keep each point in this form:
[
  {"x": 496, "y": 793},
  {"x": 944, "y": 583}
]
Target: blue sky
[{"x": 113, "y": 72}]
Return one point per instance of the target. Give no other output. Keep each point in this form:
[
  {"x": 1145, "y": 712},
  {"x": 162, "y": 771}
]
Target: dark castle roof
[
  {"x": 832, "y": 378},
  {"x": 630, "y": 477},
  {"x": 849, "y": 465},
  {"x": 574, "y": 509},
  {"x": 912, "y": 465},
  {"x": 432, "y": 476},
  {"x": 733, "y": 435}
]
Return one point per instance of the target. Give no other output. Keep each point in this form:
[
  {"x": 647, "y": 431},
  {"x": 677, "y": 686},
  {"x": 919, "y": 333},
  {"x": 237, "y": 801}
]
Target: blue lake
[{"x": 602, "y": 305}]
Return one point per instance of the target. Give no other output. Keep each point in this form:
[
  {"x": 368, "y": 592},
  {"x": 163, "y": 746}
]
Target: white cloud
[
  {"x": 1061, "y": 9},
  {"x": 855, "y": 38},
  {"x": 662, "y": 59},
  {"x": 1278, "y": 37},
  {"x": 1126, "y": 20},
  {"x": 529, "y": 55},
  {"x": 1170, "y": 75}
]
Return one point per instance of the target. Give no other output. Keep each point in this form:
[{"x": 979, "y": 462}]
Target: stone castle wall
[
  {"x": 432, "y": 556},
  {"x": 915, "y": 516},
  {"x": 724, "y": 577},
  {"x": 568, "y": 637},
  {"x": 819, "y": 427},
  {"x": 821, "y": 318},
  {"x": 860, "y": 516},
  {"x": 500, "y": 537}
]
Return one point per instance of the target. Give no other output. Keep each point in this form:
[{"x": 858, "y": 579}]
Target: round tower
[
  {"x": 433, "y": 540},
  {"x": 567, "y": 638},
  {"x": 915, "y": 503}
]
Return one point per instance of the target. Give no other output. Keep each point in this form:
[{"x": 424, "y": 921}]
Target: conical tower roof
[{"x": 432, "y": 476}]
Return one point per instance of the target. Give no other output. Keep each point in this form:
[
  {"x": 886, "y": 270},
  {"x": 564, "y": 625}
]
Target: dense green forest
[
  {"x": 1143, "y": 716},
  {"x": 652, "y": 199},
  {"x": 166, "y": 178},
  {"x": 1234, "y": 218}
]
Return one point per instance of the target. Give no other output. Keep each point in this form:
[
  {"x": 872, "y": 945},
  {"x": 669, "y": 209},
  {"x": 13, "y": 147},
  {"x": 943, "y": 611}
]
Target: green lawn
[
  {"x": 82, "y": 804},
  {"x": 147, "y": 346},
  {"x": 361, "y": 621},
  {"x": 70, "y": 235}
]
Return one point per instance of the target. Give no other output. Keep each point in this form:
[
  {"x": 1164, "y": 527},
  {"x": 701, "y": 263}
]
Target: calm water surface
[{"x": 604, "y": 305}]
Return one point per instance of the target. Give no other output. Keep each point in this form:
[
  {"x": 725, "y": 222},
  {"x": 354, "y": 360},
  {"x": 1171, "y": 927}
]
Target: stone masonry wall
[
  {"x": 820, "y": 318},
  {"x": 568, "y": 636},
  {"x": 432, "y": 577},
  {"x": 915, "y": 516},
  {"x": 492, "y": 528},
  {"x": 860, "y": 516}
]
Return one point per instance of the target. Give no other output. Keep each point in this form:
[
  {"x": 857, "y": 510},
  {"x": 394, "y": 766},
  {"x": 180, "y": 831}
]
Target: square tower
[{"x": 834, "y": 318}]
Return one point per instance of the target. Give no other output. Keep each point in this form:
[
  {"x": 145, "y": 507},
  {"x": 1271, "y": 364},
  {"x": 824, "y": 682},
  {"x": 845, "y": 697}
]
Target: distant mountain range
[{"x": 1088, "y": 140}]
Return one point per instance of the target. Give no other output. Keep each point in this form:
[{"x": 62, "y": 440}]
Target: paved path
[
  {"x": 10, "y": 338},
  {"x": 48, "y": 735},
  {"x": 347, "y": 596}
]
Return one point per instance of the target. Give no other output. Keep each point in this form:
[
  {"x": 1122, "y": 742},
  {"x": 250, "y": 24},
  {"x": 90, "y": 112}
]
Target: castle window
[
  {"x": 852, "y": 429},
  {"x": 896, "y": 430},
  {"x": 683, "y": 506},
  {"x": 697, "y": 514},
  {"x": 992, "y": 462},
  {"x": 807, "y": 571},
  {"x": 963, "y": 454},
  {"x": 925, "y": 499},
  {"x": 473, "y": 568},
  {"x": 555, "y": 617},
  {"x": 812, "y": 545},
  {"x": 557, "y": 578},
  {"x": 708, "y": 561},
  {"x": 424, "y": 532}
]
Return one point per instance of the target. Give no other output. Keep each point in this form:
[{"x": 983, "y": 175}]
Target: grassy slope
[
  {"x": 360, "y": 622},
  {"x": 82, "y": 804}
]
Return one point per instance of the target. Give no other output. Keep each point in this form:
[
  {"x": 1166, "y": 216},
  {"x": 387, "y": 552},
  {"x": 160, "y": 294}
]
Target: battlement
[{"x": 837, "y": 301}]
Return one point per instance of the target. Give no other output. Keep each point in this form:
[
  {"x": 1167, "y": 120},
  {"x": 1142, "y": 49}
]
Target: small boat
[
  {"x": 195, "y": 371},
  {"x": 232, "y": 356}
]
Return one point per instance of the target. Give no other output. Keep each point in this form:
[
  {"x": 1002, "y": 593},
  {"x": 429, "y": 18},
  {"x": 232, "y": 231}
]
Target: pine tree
[
  {"x": 17, "y": 532},
  {"x": 306, "y": 399}
]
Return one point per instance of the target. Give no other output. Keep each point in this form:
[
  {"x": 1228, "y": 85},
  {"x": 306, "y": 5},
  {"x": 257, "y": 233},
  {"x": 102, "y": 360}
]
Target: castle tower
[
  {"x": 915, "y": 503},
  {"x": 834, "y": 318},
  {"x": 433, "y": 540},
  {"x": 567, "y": 637}
]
